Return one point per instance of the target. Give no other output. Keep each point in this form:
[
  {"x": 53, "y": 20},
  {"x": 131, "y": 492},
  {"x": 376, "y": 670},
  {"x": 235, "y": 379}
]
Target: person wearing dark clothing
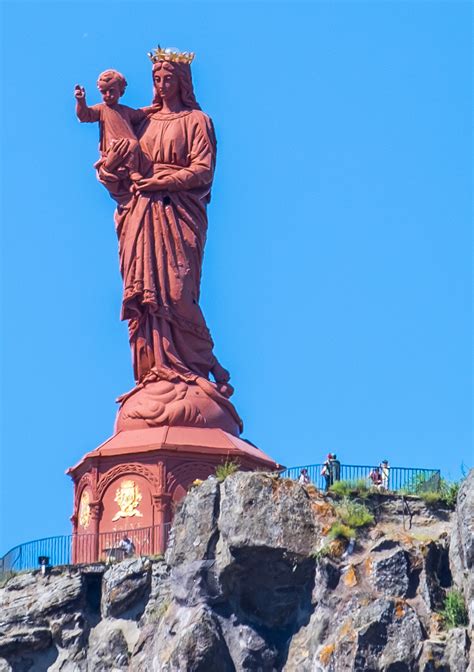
[
  {"x": 335, "y": 469},
  {"x": 376, "y": 477}
]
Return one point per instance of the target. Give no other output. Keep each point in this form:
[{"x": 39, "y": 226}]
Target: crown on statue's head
[{"x": 170, "y": 54}]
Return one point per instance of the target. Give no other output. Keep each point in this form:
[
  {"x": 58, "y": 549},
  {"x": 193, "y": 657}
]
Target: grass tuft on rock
[
  {"x": 225, "y": 469},
  {"x": 321, "y": 553},
  {"x": 353, "y": 514},
  {"x": 434, "y": 492},
  {"x": 358, "y": 488},
  {"x": 454, "y": 613},
  {"x": 340, "y": 531}
]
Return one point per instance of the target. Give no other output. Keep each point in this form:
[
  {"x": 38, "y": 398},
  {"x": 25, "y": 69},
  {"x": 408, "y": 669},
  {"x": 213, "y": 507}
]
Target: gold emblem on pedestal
[
  {"x": 128, "y": 497},
  {"x": 85, "y": 510}
]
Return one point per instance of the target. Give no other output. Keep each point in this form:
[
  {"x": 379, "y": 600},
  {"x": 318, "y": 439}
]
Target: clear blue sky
[{"x": 337, "y": 277}]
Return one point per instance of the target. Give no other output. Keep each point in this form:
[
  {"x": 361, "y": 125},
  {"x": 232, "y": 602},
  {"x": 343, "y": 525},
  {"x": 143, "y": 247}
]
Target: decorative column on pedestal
[{"x": 95, "y": 511}]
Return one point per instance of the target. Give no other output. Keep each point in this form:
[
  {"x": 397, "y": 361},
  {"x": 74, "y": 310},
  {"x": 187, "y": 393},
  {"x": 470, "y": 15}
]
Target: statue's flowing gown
[{"x": 161, "y": 241}]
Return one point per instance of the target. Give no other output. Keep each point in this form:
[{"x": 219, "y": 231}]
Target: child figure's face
[{"x": 110, "y": 92}]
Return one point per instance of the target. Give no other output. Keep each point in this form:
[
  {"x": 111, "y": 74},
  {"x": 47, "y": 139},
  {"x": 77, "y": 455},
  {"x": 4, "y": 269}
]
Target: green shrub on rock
[
  {"x": 354, "y": 514},
  {"x": 340, "y": 531},
  {"x": 225, "y": 469},
  {"x": 321, "y": 553},
  {"x": 449, "y": 492},
  {"x": 358, "y": 488},
  {"x": 454, "y": 613},
  {"x": 342, "y": 488},
  {"x": 446, "y": 494}
]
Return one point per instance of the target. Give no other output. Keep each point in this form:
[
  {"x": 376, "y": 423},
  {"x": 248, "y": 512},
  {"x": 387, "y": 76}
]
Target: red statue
[
  {"x": 178, "y": 423},
  {"x": 158, "y": 164}
]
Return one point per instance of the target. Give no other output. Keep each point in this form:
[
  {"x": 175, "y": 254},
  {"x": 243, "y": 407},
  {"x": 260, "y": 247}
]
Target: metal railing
[
  {"x": 74, "y": 549},
  {"x": 399, "y": 478},
  {"x": 105, "y": 546}
]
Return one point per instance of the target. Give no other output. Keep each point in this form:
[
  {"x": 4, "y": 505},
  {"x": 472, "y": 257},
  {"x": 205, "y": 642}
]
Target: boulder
[
  {"x": 160, "y": 593},
  {"x": 435, "y": 574},
  {"x": 450, "y": 654},
  {"x": 108, "y": 648},
  {"x": 248, "y": 649},
  {"x": 187, "y": 638},
  {"x": 29, "y": 598},
  {"x": 195, "y": 525},
  {"x": 27, "y": 638},
  {"x": 264, "y": 522},
  {"x": 389, "y": 636},
  {"x": 126, "y": 587},
  {"x": 457, "y": 650},
  {"x": 258, "y": 510},
  {"x": 32, "y": 603},
  {"x": 389, "y": 572}
]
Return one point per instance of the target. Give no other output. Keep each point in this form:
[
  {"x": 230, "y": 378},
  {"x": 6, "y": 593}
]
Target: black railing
[
  {"x": 84, "y": 548},
  {"x": 408, "y": 479}
]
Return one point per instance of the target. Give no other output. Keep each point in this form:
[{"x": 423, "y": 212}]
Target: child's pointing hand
[{"x": 79, "y": 92}]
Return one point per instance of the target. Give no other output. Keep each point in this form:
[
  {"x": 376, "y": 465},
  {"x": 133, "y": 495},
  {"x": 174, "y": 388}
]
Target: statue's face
[
  {"x": 166, "y": 81},
  {"x": 110, "y": 92}
]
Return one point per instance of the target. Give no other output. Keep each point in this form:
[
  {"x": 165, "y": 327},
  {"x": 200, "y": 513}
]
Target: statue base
[
  {"x": 178, "y": 403},
  {"x": 131, "y": 484}
]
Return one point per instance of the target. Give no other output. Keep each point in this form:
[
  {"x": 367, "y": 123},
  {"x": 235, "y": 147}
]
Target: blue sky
[{"x": 337, "y": 276}]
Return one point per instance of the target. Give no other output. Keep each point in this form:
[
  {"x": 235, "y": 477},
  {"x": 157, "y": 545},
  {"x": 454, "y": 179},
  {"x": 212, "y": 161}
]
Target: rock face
[
  {"x": 461, "y": 552},
  {"x": 251, "y": 581}
]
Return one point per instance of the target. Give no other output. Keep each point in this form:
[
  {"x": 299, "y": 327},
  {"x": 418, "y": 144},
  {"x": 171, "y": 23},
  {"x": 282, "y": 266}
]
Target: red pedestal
[{"x": 131, "y": 483}]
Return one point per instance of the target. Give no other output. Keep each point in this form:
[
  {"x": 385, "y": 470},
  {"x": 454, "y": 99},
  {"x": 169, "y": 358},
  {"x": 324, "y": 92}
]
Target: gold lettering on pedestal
[
  {"x": 128, "y": 497},
  {"x": 85, "y": 510}
]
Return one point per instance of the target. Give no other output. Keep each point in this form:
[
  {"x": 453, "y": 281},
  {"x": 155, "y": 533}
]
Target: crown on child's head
[{"x": 170, "y": 54}]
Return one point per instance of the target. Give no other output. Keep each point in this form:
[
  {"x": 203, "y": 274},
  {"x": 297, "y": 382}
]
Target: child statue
[{"x": 116, "y": 122}]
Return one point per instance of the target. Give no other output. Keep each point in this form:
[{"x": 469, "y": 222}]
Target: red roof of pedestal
[{"x": 178, "y": 439}]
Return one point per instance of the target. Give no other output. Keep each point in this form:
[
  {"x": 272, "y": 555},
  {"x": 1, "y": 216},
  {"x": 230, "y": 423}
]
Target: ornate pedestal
[{"x": 130, "y": 484}]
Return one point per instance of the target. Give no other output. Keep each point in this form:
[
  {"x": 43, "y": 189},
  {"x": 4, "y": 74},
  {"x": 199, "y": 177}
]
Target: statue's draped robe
[{"x": 161, "y": 242}]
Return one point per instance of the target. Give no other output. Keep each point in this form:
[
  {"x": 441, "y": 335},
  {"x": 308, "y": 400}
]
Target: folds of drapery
[{"x": 161, "y": 242}]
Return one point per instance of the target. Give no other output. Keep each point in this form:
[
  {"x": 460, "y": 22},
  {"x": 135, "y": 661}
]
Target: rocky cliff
[{"x": 252, "y": 581}]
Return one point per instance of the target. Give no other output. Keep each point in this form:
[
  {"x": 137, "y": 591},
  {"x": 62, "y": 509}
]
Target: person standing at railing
[
  {"x": 375, "y": 478},
  {"x": 334, "y": 468},
  {"x": 385, "y": 471},
  {"x": 326, "y": 472}
]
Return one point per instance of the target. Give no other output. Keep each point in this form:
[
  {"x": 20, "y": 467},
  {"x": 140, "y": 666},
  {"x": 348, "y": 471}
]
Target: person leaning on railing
[
  {"x": 304, "y": 478},
  {"x": 127, "y": 546}
]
